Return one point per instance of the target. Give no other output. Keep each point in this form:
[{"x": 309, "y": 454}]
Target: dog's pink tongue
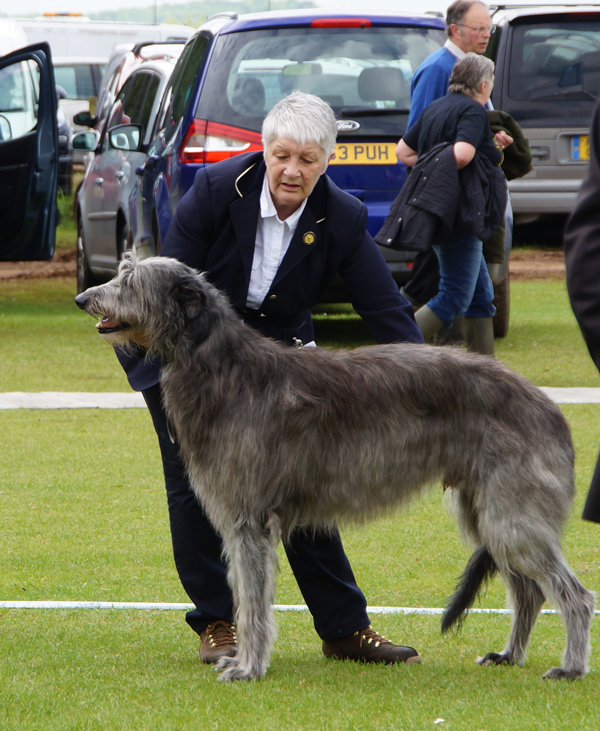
[{"x": 105, "y": 323}]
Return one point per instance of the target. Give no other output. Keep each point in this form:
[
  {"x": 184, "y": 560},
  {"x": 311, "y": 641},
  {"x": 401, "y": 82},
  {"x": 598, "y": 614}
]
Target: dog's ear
[{"x": 190, "y": 297}]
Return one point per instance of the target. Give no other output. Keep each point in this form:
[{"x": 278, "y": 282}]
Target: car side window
[
  {"x": 129, "y": 105},
  {"x": 19, "y": 97},
  {"x": 178, "y": 91}
]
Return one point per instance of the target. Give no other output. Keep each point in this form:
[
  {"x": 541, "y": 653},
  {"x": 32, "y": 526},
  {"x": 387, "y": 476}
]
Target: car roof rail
[
  {"x": 232, "y": 15},
  {"x": 142, "y": 44}
]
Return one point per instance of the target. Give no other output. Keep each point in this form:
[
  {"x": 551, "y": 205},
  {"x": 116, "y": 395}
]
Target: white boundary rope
[{"x": 169, "y": 606}]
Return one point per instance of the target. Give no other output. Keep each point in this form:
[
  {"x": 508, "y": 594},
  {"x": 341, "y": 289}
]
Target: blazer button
[{"x": 272, "y": 296}]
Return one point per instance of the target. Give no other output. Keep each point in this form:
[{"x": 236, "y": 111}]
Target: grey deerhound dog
[{"x": 276, "y": 437}]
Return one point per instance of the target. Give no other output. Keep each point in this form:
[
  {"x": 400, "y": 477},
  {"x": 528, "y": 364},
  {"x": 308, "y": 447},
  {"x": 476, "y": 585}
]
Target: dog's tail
[{"x": 480, "y": 569}]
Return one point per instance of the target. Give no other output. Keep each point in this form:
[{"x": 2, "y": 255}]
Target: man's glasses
[{"x": 491, "y": 29}]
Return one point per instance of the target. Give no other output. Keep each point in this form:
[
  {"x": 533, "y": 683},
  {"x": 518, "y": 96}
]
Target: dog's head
[{"x": 151, "y": 302}]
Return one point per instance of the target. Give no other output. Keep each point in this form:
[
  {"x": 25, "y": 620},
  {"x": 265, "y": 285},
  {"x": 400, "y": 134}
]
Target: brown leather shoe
[
  {"x": 218, "y": 640},
  {"x": 366, "y": 645}
]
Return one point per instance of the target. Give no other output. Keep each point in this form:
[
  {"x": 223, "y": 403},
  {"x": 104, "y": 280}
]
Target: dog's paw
[
  {"x": 230, "y": 669},
  {"x": 560, "y": 674},
  {"x": 495, "y": 658}
]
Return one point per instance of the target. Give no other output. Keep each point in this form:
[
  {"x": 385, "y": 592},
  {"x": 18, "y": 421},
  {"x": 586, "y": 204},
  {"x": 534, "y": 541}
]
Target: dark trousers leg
[
  {"x": 424, "y": 281},
  {"x": 319, "y": 563},
  {"x": 196, "y": 546}
]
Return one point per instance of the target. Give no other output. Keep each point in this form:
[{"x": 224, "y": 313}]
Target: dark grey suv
[{"x": 548, "y": 78}]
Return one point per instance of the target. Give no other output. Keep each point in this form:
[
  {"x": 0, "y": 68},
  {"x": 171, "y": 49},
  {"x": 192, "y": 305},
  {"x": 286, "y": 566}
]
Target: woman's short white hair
[
  {"x": 469, "y": 72},
  {"x": 303, "y": 118}
]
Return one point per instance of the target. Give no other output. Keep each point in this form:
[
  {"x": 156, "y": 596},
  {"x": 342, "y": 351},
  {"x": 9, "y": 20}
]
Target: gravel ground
[{"x": 524, "y": 264}]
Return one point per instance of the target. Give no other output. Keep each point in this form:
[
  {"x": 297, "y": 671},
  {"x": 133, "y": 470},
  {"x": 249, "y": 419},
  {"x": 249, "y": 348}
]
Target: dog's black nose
[{"x": 80, "y": 300}]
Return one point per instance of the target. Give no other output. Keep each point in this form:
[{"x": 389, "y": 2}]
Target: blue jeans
[{"x": 465, "y": 285}]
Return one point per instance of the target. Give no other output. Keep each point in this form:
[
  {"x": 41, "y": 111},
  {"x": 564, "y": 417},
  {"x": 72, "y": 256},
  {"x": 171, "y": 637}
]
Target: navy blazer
[
  {"x": 214, "y": 230},
  {"x": 582, "y": 259}
]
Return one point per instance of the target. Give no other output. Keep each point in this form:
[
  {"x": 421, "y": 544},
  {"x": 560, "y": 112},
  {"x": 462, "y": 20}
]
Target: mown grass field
[{"x": 83, "y": 518}]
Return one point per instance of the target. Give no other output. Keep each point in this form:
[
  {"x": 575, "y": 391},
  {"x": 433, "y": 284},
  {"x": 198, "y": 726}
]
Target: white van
[
  {"x": 71, "y": 34},
  {"x": 12, "y": 36}
]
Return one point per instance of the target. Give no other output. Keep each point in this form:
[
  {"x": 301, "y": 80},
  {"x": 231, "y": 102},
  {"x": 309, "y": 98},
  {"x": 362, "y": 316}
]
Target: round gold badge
[{"x": 309, "y": 238}]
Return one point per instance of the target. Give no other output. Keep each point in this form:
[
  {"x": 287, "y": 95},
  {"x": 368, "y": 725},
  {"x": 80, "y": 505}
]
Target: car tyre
[
  {"x": 502, "y": 304},
  {"x": 85, "y": 278},
  {"x": 124, "y": 241},
  {"x": 156, "y": 237}
]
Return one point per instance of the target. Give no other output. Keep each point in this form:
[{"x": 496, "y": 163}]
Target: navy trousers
[{"x": 318, "y": 561}]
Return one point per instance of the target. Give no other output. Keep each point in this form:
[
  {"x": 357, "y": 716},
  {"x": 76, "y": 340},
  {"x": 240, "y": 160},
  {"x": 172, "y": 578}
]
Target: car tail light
[
  {"x": 341, "y": 23},
  {"x": 207, "y": 142}
]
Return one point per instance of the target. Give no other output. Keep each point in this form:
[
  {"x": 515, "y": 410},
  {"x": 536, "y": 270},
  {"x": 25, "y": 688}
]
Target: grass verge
[{"x": 83, "y": 517}]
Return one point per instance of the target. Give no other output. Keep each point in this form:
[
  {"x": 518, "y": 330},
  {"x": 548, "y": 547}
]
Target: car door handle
[{"x": 151, "y": 160}]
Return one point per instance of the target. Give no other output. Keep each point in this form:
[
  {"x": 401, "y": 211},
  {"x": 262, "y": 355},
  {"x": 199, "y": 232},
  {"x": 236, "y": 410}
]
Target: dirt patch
[
  {"x": 524, "y": 264},
  {"x": 64, "y": 264},
  {"x": 537, "y": 264}
]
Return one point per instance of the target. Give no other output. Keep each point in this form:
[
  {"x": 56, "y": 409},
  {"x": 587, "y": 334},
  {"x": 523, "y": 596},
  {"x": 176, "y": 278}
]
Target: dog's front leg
[{"x": 251, "y": 565}]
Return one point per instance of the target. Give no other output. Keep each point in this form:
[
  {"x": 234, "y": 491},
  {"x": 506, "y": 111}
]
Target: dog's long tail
[{"x": 480, "y": 569}]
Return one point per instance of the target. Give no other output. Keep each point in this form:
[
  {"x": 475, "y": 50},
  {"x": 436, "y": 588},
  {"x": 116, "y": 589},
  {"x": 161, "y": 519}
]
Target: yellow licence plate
[
  {"x": 580, "y": 147},
  {"x": 365, "y": 153}
]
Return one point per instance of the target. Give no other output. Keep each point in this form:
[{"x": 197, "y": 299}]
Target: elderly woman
[
  {"x": 272, "y": 231},
  {"x": 460, "y": 118}
]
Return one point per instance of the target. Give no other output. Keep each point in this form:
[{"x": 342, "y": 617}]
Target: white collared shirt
[
  {"x": 454, "y": 49},
  {"x": 273, "y": 238}
]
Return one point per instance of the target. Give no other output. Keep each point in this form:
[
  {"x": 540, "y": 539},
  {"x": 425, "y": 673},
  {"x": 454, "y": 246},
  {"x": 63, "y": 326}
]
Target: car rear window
[
  {"x": 362, "y": 72},
  {"x": 554, "y": 71}
]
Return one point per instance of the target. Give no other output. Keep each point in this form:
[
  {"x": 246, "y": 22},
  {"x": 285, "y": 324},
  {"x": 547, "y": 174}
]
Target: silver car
[
  {"x": 548, "y": 78},
  {"x": 102, "y": 210}
]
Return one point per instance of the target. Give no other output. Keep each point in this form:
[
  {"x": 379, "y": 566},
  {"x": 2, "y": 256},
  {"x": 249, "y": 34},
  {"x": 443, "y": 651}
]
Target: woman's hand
[{"x": 503, "y": 140}]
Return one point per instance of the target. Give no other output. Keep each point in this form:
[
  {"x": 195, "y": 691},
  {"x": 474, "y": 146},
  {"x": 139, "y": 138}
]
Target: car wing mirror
[
  {"x": 86, "y": 141},
  {"x": 84, "y": 119},
  {"x": 126, "y": 137}
]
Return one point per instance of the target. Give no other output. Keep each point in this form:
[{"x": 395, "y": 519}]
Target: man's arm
[{"x": 430, "y": 83}]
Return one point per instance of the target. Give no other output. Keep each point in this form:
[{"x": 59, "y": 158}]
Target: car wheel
[
  {"x": 85, "y": 278},
  {"x": 65, "y": 178},
  {"x": 156, "y": 237},
  {"x": 124, "y": 240},
  {"x": 502, "y": 304}
]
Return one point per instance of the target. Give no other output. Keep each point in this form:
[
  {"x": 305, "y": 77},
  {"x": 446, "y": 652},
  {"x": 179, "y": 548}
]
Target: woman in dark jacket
[{"x": 459, "y": 118}]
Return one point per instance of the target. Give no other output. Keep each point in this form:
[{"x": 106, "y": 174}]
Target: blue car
[{"x": 234, "y": 69}]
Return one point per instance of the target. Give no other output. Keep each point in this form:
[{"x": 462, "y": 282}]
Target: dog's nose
[{"x": 80, "y": 300}]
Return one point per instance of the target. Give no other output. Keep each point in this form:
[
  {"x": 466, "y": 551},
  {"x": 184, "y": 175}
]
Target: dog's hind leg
[
  {"x": 526, "y": 598},
  {"x": 252, "y": 562},
  {"x": 576, "y": 605}
]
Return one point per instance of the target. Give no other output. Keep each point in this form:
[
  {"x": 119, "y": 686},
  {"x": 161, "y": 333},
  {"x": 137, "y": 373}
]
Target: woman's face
[{"x": 293, "y": 170}]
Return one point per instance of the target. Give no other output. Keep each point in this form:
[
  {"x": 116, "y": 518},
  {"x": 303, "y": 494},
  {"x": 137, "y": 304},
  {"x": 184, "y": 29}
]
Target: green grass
[
  {"x": 83, "y": 517},
  {"x": 66, "y": 233}
]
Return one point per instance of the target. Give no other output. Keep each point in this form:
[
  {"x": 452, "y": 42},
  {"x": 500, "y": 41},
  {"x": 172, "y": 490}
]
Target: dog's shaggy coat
[{"x": 275, "y": 437}]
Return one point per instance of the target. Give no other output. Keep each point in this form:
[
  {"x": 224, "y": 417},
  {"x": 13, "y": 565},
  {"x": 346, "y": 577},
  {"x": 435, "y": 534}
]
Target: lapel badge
[{"x": 309, "y": 238}]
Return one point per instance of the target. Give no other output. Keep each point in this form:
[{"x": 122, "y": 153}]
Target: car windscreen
[
  {"x": 361, "y": 72},
  {"x": 554, "y": 71}
]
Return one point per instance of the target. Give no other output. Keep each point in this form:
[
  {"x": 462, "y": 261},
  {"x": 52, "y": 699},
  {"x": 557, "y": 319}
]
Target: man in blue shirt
[{"x": 469, "y": 29}]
